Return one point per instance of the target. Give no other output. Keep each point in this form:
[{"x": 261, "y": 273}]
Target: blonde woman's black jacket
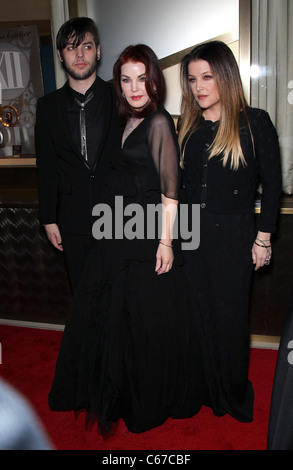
[
  {"x": 68, "y": 187},
  {"x": 220, "y": 189}
]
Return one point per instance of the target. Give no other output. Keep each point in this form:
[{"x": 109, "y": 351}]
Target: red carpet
[{"x": 28, "y": 362}]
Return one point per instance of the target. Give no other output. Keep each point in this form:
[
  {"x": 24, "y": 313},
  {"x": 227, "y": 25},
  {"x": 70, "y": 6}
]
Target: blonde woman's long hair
[{"x": 226, "y": 74}]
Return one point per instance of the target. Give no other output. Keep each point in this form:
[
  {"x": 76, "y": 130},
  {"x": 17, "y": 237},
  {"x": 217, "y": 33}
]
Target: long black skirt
[
  {"x": 218, "y": 277},
  {"x": 126, "y": 350}
]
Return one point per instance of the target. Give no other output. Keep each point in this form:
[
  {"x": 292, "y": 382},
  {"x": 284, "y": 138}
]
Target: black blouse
[
  {"x": 220, "y": 189},
  {"x": 151, "y": 153}
]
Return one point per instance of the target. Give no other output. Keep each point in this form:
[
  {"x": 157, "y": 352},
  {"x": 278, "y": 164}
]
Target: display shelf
[{"x": 18, "y": 161}]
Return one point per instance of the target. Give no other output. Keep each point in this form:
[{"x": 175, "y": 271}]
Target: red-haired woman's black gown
[{"x": 126, "y": 351}]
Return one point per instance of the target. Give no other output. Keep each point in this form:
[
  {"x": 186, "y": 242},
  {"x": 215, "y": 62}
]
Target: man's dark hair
[{"x": 75, "y": 30}]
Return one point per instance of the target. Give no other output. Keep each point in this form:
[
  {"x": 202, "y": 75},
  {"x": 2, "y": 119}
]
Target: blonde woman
[{"x": 226, "y": 148}]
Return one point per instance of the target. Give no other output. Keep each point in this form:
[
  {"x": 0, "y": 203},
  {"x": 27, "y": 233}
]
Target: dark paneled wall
[
  {"x": 271, "y": 286},
  {"x": 33, "y": 278}
]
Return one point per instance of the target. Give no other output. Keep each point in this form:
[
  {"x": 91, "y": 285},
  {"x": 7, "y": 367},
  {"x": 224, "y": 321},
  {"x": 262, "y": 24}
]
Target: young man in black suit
[{"x": 77, "y": 135}]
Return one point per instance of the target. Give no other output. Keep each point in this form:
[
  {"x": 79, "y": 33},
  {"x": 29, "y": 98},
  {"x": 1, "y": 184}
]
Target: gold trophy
[{"x": 9, "y": 116}]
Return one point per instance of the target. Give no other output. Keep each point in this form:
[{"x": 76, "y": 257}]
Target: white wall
[{"x": 167, "y": 26}]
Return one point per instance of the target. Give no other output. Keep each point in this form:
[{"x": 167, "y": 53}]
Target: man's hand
[{"x": 54, "y": 236}]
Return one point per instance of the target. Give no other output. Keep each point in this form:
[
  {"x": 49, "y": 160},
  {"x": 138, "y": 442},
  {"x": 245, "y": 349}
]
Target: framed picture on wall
[{"x": 21, "y": 85}]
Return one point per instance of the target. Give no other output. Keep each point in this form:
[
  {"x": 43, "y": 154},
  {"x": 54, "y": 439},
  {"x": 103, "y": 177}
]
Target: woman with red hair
[{"x": 126, "y": 351}]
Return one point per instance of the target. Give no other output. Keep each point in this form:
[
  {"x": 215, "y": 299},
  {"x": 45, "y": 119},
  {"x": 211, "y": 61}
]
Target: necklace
[{"x": 128, "y": 128}]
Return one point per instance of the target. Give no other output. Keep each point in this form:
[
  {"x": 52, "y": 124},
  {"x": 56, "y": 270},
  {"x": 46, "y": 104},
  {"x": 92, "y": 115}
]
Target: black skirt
[
  {"x": 218, "y": 277},
  {"x": 126, "y": 350}
]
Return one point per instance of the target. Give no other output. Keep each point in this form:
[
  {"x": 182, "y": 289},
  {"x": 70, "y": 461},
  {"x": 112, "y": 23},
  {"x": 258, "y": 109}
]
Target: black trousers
[
  {"x": 76, "y": 250},
  {"x": 280, "y": 432}
]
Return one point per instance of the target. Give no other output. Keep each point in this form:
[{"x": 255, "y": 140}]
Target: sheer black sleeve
[{"x": 165, "y": 153}]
